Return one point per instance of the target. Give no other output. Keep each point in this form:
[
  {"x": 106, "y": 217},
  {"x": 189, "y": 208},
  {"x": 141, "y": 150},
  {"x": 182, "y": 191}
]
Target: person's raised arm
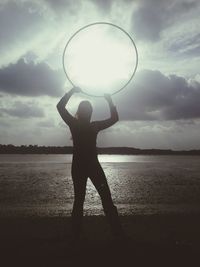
[
  {"x": 64, "y": 113},
  {"x": 100, "y": 125}
]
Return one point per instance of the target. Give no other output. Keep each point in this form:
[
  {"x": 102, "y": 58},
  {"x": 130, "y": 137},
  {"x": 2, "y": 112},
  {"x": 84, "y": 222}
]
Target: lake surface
[{"x": 41, "y": 185}]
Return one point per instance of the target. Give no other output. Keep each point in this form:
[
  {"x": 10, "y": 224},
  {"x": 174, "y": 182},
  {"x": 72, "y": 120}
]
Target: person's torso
[{"x": 84, "y": 137}]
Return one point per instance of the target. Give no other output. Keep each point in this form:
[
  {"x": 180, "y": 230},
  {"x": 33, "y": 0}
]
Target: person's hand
[
  {"x": 108, "y": 98},
  {"x": 76, "y": 89}
]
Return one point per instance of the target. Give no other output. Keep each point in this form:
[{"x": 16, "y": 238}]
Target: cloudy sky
[{"x": 160, "y": 107}]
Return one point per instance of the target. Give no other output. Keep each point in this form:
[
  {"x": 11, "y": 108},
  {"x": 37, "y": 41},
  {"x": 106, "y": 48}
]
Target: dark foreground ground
[{"x": 152, "y": 240}]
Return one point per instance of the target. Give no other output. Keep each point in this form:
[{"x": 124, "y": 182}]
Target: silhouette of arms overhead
[
  {"x": 101, "y": 125},
  {"x": 64, "y": 113}
]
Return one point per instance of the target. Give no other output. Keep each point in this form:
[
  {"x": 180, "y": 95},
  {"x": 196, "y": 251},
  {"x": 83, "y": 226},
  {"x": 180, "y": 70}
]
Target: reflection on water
[
  {"x": 123, "y": 158},
  {"x": 42, "y": 185},
  {"x": 60, "y": 158},
  {"x": 66, "y": 158}
]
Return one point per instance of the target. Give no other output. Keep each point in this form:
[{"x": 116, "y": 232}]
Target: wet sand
[
  {"x": 41, "y": 185},
  {"x": 152, "y": 240}
]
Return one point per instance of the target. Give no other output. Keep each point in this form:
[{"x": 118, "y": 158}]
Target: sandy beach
[
  {"x": 161, "y": 240},
  {"x": 41, "y": 185}
]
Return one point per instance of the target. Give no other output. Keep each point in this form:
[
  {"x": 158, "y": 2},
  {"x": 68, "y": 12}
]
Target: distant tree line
[{"x": 35, "y": 149}]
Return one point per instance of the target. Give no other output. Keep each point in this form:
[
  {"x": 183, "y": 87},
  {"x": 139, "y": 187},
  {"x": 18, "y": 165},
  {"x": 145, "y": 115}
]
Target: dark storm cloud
[
  {"x": 31, "y": 79},
  {"x": 153, "y": 96},
  {"x": 23, "y": 110},
  {"x": 153, "y": 16},
  {"x": 18, "y": 22}
]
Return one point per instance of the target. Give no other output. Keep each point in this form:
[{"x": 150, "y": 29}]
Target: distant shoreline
[{"x": 35, "y": 149}]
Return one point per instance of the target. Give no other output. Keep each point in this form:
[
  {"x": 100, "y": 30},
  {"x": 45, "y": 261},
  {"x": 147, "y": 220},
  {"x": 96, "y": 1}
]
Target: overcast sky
[{"x": 160, "y": 107}]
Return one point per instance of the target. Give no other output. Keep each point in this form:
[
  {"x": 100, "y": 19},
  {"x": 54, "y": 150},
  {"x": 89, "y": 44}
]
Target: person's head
[{"x": 84, "y": 111}]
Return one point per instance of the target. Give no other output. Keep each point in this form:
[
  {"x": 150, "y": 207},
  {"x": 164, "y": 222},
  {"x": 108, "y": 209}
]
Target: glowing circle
[{"x": 100, "y": 58}]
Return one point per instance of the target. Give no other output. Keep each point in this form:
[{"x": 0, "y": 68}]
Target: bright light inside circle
[{"x": 100, "y": 59}]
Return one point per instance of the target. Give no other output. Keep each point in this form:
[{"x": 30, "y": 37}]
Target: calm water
[{"x": 41, "y": 185}]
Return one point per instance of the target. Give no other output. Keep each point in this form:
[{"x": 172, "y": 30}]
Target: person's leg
[
  {"x": 79, "y": 182},
  {"x": 99, "y": 180}
]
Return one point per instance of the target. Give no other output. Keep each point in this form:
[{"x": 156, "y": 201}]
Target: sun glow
[{"x": 100, "y": 59}]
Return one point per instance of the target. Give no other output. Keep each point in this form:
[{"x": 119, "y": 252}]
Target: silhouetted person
[{"x": 85, "y": 161}]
